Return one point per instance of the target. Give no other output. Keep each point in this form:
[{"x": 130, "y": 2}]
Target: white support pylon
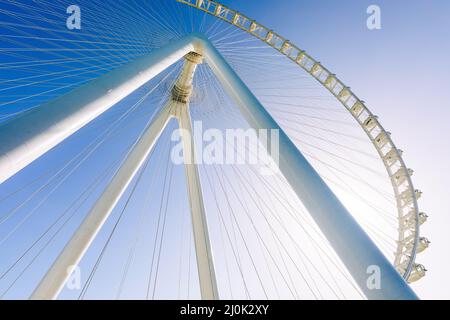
[
  {"x": 177, "y": 106},
  {"x": 68, "y": 259},
  {"x": 205, "y": 265},
  {"x": 29, "y": 136},
  {"x": 354, "y": 247}
]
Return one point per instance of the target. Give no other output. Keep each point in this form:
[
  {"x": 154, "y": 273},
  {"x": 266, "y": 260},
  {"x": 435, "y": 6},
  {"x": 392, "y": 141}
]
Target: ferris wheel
[{"x": 342, "y": 201}]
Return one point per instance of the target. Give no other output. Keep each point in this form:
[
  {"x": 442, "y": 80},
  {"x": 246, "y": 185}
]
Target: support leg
[
  {"x": 26, "y": 138},
  {"x": 355, "y": 248},
  {"x": 208, "y": 285},
  {"x": 56, "y": 277}
]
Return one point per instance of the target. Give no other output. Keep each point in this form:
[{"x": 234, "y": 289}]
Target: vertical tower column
[
  {"x": 348, "y": 239},
  {"x": 181, "y": 94}
]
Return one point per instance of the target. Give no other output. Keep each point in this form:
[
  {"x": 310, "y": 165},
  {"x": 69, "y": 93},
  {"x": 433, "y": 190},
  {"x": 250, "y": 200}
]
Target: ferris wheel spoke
[
  {"x": 261, "y": 200},
  {"x": 233, "y": 244}
]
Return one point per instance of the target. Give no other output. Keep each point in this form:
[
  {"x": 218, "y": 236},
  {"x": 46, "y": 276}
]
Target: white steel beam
[
  {"x": 354, "y": 247},
  {"x": 177, "y": 106},
  {"x": 57, "y": 275},
  {"x": 205, "y": 263},
  {"x": 181, "y": 93},
  {"x": 26, "y": 138}
]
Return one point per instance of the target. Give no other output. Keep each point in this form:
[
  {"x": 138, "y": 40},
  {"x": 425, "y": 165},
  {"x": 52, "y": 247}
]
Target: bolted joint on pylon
[
  {"x": 194, "y": 57},
  {"x": 181, "y": 94},
  {"x": 182, "y": 90}
]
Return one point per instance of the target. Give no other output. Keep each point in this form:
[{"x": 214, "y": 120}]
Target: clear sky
[{"x": 401, "y": 71}]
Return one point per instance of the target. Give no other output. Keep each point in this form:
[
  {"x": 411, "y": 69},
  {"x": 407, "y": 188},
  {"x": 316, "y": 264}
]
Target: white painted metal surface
[
  {"x": 57, "y": 275},
  {"x": 205, "y": 263},
  {"x": 29, "y": 136}
]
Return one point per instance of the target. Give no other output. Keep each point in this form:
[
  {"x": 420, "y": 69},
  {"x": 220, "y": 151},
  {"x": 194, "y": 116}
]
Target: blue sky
[{"x": 401, "y": 71}]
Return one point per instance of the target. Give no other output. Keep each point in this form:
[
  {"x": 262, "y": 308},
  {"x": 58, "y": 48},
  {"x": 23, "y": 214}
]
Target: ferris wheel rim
[{"x": 405, "y": 254}]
